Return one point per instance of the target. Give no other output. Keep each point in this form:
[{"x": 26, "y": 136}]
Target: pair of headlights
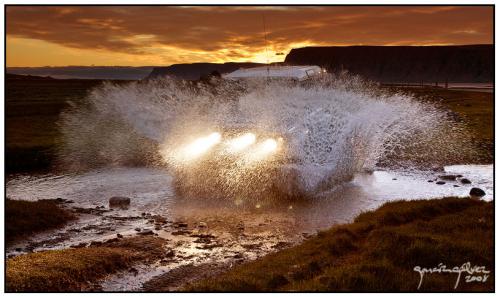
[{"x": 235, "y": 145}]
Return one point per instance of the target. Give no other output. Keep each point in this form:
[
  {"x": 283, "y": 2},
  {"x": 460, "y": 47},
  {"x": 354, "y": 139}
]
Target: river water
[{"x": 238, "y": 234}]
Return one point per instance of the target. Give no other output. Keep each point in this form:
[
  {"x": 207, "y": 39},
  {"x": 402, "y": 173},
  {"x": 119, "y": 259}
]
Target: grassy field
[
  {"x": 24, "y": 218},
  {"x": 32, "y": 109},
  {"x": 74, "y": 269},
  {"x": 475, "y": 109},
  {"x": 378, "y": 252}
]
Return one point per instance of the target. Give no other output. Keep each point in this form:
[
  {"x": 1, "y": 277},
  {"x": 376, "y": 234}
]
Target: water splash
[{"x": 334, "y": 127}]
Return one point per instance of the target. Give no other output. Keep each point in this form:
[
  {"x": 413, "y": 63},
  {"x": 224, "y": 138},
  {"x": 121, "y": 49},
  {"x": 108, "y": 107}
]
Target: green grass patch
[
  {"x": 73, "y": 270},
  {"x": 24, "y": 218},
  {"x": 474, "y": 109},
  {"x": 378, "y": 252}
]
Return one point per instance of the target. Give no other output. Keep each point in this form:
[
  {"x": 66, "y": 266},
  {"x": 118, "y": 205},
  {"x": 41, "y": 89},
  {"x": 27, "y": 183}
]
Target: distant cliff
[
  {"x": 195, "y": 71},
  {"x": 470, "y": 63}
]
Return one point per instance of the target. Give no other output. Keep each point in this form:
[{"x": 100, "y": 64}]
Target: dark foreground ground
[
  {"x": 24, "y": 218},
  {"x": 377, "y": 252},
  {"x": 77, "y": 269},
  {"x": 33, "y": 105}
]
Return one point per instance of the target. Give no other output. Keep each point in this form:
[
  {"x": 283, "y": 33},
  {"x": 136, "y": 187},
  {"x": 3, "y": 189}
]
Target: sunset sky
[{"x": 160, "y": 35}]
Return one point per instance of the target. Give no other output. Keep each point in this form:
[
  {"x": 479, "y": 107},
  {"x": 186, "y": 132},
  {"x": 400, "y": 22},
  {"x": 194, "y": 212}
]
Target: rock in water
[
  {"x": 476, "y": 192},
  {"x": 440, "y": 182},
  {"x": 448, "y": 177},
  {"x": 465, "y": 181},
  {"x": 119, "y": 202},
  {"x": 146, "y": 232}
]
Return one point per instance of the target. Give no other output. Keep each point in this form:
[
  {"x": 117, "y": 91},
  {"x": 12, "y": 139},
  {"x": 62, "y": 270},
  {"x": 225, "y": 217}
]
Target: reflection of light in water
[
  {"x": 409, "y": 186},
  {"x": 151, "y": 192},
  {"x": 150, "y": 189}
]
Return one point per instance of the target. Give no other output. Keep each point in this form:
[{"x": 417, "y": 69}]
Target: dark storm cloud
[{"x": 138, "y": 30}]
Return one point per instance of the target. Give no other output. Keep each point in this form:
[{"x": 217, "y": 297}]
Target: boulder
[
  {"x": 440, "y": 182},
  {"x": 465, "y": 181},
  {"x": 119, "y": 202},
  {"x": 476, "y": 192},
  {"x": 448, "y": 177}
]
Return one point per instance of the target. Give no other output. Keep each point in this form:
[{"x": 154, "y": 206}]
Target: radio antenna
[{"x": 265, "y": 43}]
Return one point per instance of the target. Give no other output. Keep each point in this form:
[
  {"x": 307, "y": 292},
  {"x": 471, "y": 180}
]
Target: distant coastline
[{"x": 386, "y": 64}]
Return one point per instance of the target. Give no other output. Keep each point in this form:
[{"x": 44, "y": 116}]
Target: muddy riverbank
[{"x": 216, "y": 235}]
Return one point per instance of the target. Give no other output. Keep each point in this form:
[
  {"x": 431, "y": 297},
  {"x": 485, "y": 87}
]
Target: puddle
[{"x": 199, "y": 233}]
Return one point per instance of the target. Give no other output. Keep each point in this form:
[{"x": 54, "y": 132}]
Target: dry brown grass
[
  {"x": 72, "y": 270},
  {"x": 24, "y": 218}
]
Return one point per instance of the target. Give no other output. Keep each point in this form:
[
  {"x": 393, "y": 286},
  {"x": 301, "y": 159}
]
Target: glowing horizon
[{"x": 163, "y": 35}]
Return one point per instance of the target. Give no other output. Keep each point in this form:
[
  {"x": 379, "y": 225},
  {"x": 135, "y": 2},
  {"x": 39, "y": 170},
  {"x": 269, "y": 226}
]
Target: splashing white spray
[{"x": 333, "y": 127}]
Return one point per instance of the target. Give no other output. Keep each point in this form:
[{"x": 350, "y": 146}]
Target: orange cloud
[{"x": 153, "y": 35}]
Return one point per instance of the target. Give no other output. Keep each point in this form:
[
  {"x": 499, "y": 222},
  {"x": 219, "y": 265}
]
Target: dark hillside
[{"x": 470, "y": 63}]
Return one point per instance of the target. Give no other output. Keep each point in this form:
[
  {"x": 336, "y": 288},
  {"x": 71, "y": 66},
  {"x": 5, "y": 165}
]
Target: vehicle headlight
[
  {"x": 262, "y": 150},
  {"x": 201, "y": 146},
  {"x": 269, "y": 145},
  {"x": 237, "y": 144},
  {"x": 246, "y": 146}
]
